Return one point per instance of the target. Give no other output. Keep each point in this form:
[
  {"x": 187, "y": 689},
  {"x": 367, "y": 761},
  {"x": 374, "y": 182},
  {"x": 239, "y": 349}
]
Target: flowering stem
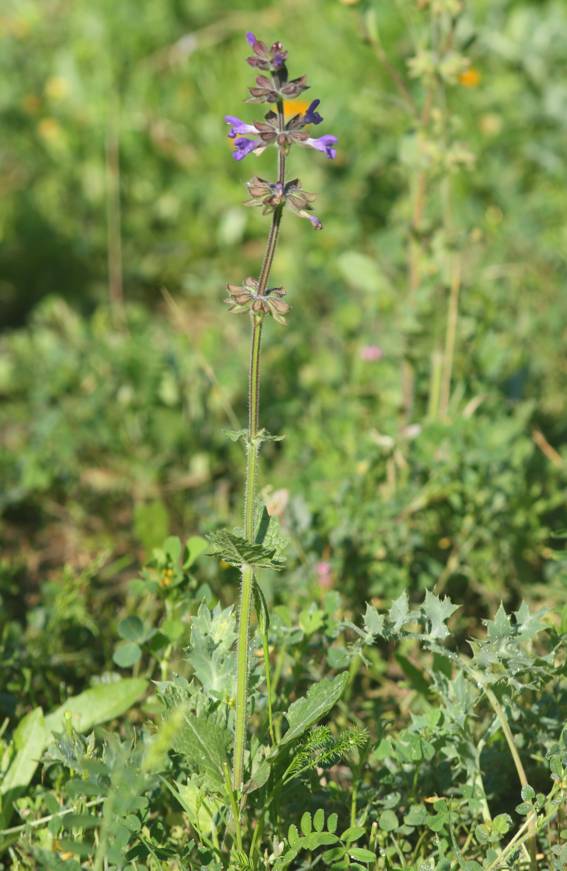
[{"x": 247, "y": 589}]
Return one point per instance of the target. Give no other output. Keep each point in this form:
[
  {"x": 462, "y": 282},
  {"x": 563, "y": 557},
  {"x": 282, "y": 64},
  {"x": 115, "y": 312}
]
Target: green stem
[
  {"x": 234, "y": 808},
  {"x": 247, "y": 588},
  {"x": 505, "y": 725}
]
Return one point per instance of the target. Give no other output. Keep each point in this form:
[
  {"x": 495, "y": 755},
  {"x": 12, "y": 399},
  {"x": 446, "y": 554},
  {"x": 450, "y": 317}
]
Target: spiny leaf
[
  {"x": 501, "y": 626},
  {"x": 438, "y": 611},
  {"x": 373, "y": 621},
  {"x": 400, "y": 614}
]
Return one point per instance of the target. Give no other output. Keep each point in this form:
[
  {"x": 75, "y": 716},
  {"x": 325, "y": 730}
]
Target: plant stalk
[
  {"x": 505, "y": 725},
  {"x": 247, "y": 588}
]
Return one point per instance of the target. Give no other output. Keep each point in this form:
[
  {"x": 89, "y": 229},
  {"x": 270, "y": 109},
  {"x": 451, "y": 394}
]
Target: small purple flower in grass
[
  {"x": 316, "y": 222},
  {"x": 251, "y": 39},
  {"x": 324, "y": 144},
  {"x": 371, "y": 353},
  {"x": 238, "y": 127}
]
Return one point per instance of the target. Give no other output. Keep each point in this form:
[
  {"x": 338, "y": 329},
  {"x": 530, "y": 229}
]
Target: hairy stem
[{"x": 247, "y": 588}]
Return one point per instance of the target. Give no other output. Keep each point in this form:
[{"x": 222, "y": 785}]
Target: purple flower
[
  {"x": 243, "y": 147},
  {"x": 316, "y": 222},
  {"x": 251, "y": 39},
  {"x": 325, "y": 144},
  {"x": 371, "y": 353},
  {"x": 238, "y": 127},
  {"x": 278, "y": 59},
  {"x": 311, "y": 116}
]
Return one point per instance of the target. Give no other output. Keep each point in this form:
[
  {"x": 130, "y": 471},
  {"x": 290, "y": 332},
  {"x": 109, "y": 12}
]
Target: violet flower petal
[
  {"x": 243, "y": 147},
  {"x": 311, "y": 116},
  {"x": 238, "y": 127},
  {"x": 324, "y": 144}
]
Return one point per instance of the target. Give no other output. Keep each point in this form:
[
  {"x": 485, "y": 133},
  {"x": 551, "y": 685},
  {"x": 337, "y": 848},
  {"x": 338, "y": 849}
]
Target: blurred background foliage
[{"x": 116, "y": 179}]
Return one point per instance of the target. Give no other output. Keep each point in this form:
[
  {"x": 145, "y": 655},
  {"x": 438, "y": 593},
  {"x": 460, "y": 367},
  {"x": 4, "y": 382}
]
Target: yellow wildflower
[{"x": 469, "y": 78}]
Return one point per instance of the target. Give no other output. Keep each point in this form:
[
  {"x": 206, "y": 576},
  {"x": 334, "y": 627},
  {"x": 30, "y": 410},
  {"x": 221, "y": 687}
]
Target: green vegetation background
[{"x": 113, "y": 437}]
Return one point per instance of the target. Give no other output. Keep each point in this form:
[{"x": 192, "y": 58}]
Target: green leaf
[
  {"x": 373, "y": 621},
  {"x": 528, "y": 624},
  {"x": 211, "y": 653},
  {"x": 127, "y": 654},
  {"x": 293, "y": 836},
  {"x": 261, "y": 608},
  {"x": 320, "y": 839},
  {"x": 438, "y": 611},
  {"x": 172, "y": 547},
  {"x": 306, "y": 823},
  {"x": 416, "y": 816},
  {"x": 388, "y": 821},
  {"x": 200, "y": 806},
  {"x": 259, "y": 777},
  {"x": 500, "y": 627},
  {"x": 236, "y": 551},
  {"x": 400, "y": 614},
  {"x": 307, "y": 711},
  {"x": 269, "y": 533},
  {"x": 311, "y": 619},
  {"x": 362, "y": 855},
  {"x": 501, "y": 824},
  {"x": 195, "y": 547},
  {"x": 204, "y": 745},
  {"x": 29, "y": 739},
  {"x": 98, "y": 705},
  {"x": 173, "y": 628},
  {"x": 332, "y": 822},
  {"x": 353, "y": 833},
  {"x": 319, "y": 820},
  {"x": 131, "y": 629}
]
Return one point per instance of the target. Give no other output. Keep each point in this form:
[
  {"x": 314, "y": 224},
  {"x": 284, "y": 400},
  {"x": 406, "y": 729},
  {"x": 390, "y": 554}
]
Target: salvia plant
[{"x": 274, "y": 88}]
